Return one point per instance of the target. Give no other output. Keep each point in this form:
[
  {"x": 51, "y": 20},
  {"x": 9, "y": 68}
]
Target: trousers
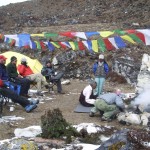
[
  {"x": 108, "y": 110},
  {"x": 39, "y": 79},
  {"x": 25, "y": 85},
  {"x": 100, "y": 83},
  {"x": 5, "y": 92}
]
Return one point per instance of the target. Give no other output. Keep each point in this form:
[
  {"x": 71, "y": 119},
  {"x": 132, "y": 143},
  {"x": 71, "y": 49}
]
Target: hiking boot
[
  {"x": 30, "y": 107},
  {"x": 106, "y": 119},
  {"x": 101, "y": 113},
  {"x": 115, "y": 114},
  {"x": 47, "y": 86},
  {"x": 61, "y": 92},
  {"x": 91, "y": 114},
  {"x": 34, "y": 102}
]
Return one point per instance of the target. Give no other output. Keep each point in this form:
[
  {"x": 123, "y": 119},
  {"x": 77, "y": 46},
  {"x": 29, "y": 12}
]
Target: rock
[
  {"x": 18, "y": 144},
  {"x": 129, "y": 118}
]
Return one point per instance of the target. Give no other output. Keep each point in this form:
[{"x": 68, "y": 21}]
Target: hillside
[{"x": 44, "y": 13}]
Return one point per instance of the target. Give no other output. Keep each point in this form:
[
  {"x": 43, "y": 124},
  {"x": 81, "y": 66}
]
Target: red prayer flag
[
  {"x": 62, "y": 45},
  {"x": 141, "y": 36},
  {"x": 68, "y": 34},
  {"x": 42, "y": 45},
  {"x": 108, "y": 44},
  {"x": 131, "y": 31},
  {"x": 81, "y": 45},
  {"x": 26, "y": 46}
]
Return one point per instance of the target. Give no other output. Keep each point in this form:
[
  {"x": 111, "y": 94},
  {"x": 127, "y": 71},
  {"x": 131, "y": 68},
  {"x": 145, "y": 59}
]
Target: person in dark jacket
[
  {"x": 52, "y": 76},
  {"x": 87, "y": 98},
  {"x": 18, "y": 79},
  {"x": 100, "y": 70},
  {"x": 6, "y": 92},
  {"x": 3, "y": 72}
]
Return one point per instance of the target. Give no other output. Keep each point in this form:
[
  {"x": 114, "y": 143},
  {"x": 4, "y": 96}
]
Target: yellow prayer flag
[
  {"x": 105, "y": 33},
  {"x": 39, "y": 35},
  {"x": 127, "y": 38},
  {"x": 95, "y": 45},
  {"x": 55, "y": 44},
  {"x": 72, "y": 45}
]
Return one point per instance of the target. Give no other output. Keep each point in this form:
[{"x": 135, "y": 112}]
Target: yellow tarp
[{"x": 34, "y": 64}]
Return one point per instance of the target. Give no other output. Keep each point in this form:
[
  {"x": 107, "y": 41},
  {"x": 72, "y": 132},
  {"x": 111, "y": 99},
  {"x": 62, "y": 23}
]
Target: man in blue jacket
[{"x": 100, "y": 70}]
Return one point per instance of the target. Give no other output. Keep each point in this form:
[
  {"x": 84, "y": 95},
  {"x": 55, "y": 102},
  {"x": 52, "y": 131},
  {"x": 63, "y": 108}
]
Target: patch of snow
[
  {"x": 65, "y": 82},
  {"x": 104, "y": 138},
  {"x": 85, "y": 147},
  {"x": 10, "y": 118},
  {"x": 90, "y": 127},
  {"x": 31, "y": 131}
]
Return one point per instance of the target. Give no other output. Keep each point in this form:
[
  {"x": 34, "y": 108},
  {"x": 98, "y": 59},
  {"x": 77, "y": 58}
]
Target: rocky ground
[
  {"x": 66, "y": 103},
  {"x": 44, "y": 13},
  {"x": 57, "y": 16}
]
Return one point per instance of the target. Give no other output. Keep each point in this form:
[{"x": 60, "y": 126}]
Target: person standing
[
  {"x": 100, "y": 70},
  {"x": 17, "y": 78}
]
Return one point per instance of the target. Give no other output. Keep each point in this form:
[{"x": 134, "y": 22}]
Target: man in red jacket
[{"x": 25, "y": 71}]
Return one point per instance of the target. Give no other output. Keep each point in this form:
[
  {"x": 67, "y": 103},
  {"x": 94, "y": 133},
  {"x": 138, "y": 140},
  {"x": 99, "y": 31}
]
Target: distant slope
[{"x": 44, "y": 13}]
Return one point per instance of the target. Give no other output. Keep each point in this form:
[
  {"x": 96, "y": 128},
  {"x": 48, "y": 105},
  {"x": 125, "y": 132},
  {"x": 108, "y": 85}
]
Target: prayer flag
[
  {"x": 101, "y": 44},
  {"x": 120, "y": 43},
  {"x": 94, "y": 45}
]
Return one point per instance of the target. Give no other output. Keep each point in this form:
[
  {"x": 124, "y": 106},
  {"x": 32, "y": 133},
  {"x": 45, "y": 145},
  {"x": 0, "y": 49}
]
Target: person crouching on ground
[
  {"x": 110, "y": 104},
  {"x": 25, "y": 71},
  {"x": 87, "y": 98}
]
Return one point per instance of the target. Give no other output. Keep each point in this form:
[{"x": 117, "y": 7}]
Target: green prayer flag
[
  {"x": 76, "y": 45},
  {"x": 135, "y": 38},
  {"x": 120, "y": 32},
  {"x": 101, "y": 45},
  {"x": 38, "y": 45},
  {"x": 48, "y": 35}
]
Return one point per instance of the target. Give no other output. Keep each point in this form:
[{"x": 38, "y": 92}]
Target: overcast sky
[{"x": 6, "y": 2}]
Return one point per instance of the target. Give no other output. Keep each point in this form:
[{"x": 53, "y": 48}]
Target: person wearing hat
[
  {"x": 7, "y": 92},
  {"x": 110, "y": 104},
  {"x": 3, "y": 72},
  {"x": 100, "y": 70},
  {"x": 17, "y": 78},
  {"x": 87, "y": 98},
  {"x": 52, "y": 76},
  {"x": 25, "y": 71}
]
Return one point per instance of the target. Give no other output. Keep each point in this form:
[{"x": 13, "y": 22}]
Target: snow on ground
[
  {"x": 10, "y": 118},
  {"x": 33, "y": 131}
]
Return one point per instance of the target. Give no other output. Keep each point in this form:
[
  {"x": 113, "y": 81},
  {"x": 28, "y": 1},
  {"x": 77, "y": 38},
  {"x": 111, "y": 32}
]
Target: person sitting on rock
[
  {"x": 52, "y": 76},
  {"x": 25, "y": 71},
  {"x": 110, "y": 103},
  {"x": 87, "y": 98}
]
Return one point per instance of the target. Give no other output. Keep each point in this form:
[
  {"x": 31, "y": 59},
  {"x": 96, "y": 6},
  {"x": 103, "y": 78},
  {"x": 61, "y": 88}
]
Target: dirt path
[{"x": 66, "y": 103}]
